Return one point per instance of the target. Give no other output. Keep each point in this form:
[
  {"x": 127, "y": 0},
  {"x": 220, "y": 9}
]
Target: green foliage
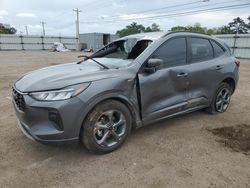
[
  {"x": 178, "y": 28},
  {"x": 195, "y": 28},
  {"x": 238, "y": 25},
  {"x": 4, "y": 30},
  {"x": 137, "y": 28},
  {"x": 220, "y": 30},
  {"x": 231, "y": 28}
]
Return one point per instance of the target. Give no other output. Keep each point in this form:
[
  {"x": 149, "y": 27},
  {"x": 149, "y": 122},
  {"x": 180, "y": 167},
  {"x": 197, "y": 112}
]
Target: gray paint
[{"x": 150, "y": 97}]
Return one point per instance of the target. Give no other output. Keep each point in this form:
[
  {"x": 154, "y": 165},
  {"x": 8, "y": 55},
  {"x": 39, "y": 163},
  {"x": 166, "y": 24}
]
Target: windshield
[{"x": 128, "y": 49}]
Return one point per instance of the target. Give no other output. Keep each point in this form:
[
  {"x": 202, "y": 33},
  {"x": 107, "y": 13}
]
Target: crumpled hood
[{"x": 59, "y": 76}]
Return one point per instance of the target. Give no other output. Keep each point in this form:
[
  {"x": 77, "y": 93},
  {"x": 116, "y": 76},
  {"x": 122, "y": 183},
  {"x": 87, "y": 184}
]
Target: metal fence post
[
  {"x": 235, "y": 40},
  {"x": 21, "y": 38},
  {"x": 42, "y": 43}
]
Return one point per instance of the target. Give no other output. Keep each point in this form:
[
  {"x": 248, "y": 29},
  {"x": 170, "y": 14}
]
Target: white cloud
[
  {"x": 37, "y": 26},
  {"x": 3, "y": 13},
  {"x": 1, "y": 18},
  {"x": 104, "y": 16},
  {"x": 119, "y": 4},
  {"x": 28, "y": 15}
]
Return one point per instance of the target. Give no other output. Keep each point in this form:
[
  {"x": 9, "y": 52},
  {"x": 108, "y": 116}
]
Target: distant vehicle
[{"x": 131, "y": 82}]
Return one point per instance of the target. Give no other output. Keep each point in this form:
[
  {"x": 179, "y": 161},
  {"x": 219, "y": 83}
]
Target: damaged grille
[{"x": 19, "y": 100}]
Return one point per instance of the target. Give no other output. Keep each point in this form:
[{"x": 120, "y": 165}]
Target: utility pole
[
  {"x": 26, "y": 29},
  {"x": 77, "y": 23},
  {"x": 42, "y": 22}
]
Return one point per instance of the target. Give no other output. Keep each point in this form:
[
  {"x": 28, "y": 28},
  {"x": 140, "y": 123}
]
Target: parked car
[{"x": 131, "y": 82}]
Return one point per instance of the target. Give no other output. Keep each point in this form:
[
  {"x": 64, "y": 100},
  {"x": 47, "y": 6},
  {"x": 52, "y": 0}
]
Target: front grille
[{"x": 19, "y": 100}]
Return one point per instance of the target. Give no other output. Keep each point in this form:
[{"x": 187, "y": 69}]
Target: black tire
[
  {"x": 213, "y": 108},
  {"x": 100, "y": 123}
]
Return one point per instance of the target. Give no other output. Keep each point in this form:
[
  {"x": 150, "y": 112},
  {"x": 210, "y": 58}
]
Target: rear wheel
[
  {"x": 221, "y": 99},
  {"x": 106, "y": 127}
]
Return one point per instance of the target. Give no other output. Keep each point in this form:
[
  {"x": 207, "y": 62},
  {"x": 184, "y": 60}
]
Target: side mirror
[{"x": 152, "y": 65}]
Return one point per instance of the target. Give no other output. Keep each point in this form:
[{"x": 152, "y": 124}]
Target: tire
[
  {"x": 106, "y": 127},
  {"x": 221, "y": 99}
]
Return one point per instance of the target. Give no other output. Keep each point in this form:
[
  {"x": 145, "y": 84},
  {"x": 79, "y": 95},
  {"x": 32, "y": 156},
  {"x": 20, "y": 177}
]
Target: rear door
[
  {"x": 206, "y": 70},
  {"x": 164, "y": 92}
]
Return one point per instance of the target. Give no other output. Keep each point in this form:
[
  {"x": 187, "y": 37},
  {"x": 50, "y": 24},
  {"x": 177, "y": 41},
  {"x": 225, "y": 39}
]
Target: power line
[
  {"x": 69, "y": 24},
  {"x": 179, "y": 14},
  {"x": 198, "y": 11},
  {"x": 193, "y": 7},
  {"x": 168, "y": 7}
]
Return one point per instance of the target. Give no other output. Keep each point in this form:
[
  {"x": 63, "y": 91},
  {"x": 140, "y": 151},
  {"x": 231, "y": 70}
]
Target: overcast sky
[{"x": 108, "y": 16}]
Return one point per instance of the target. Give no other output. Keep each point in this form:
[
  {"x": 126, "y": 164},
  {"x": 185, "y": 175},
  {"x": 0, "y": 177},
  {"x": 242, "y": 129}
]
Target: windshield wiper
[{"x": 88, "y": 57}]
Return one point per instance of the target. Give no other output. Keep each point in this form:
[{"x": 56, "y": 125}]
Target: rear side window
[
  {"x": 199, "y": 50},
  {"x": 218, "y": 50},
  {"x": 172, "y": 52}
]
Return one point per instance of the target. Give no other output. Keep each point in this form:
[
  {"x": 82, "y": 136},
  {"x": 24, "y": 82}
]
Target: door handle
[
  {"x": 182, "y": 74},
  {"x": 218, "y": 67}
]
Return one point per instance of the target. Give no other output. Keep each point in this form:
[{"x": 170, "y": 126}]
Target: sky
[{"x": 108, "y": 16}]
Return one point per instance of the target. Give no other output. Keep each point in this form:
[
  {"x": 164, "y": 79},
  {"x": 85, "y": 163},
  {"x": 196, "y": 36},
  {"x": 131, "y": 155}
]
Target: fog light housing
[{"x": 55, "y": 117}]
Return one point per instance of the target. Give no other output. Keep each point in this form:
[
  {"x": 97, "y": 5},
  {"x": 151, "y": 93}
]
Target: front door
[{"x": 164, "y": 92}]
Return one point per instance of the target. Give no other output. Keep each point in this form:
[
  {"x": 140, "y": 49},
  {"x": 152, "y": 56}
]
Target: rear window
[
  {"x": 199, "y": 50},
  {"x": 218, "y": 50}
]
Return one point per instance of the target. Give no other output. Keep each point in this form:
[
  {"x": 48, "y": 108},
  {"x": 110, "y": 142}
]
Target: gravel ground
[{"x": 178, "y": 152}]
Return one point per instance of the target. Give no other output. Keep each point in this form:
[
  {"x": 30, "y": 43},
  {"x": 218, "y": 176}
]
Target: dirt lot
[{"x": 177, "y": 152}]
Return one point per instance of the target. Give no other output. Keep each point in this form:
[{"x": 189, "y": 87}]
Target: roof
[
  {"x": 157, "y": 35},
  {"x": 146, "y": 36}
]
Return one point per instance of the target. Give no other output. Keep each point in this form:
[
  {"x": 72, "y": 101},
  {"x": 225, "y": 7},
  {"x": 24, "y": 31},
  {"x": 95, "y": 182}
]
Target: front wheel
[
  {"x": 106, "y": 127},
  {"x": 221, "y": 99}
]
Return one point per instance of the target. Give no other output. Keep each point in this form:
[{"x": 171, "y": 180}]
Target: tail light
[{"x": 237, "y": 62}]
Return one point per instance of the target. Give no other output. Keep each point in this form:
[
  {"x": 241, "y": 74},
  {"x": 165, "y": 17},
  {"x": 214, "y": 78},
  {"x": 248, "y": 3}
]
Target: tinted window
[
  {"x": 199, "y": 50},
  {"x": 173, "y": 52},
  {"x": 218, "y": 51}
]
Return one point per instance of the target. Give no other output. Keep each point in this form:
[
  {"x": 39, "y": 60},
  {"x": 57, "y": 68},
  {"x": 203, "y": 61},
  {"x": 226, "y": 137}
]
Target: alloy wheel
[
  {"x": 109, "y": 128},
  {"x": 222, "y": 100}
]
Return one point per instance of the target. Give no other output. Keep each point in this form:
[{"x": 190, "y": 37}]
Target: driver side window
[{"x": 173, "y": 52}]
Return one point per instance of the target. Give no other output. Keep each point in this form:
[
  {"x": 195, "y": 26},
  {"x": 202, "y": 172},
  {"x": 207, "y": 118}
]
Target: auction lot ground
[{"x": 177, "y": 152}]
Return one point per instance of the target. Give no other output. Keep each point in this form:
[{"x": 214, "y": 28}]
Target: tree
[
  {"x": 225, "y": 30},
  {"x": 155, "y": 27},
  {"x": 199, "y": 29},
  {"x": 195, "y": 28},
  {"x": 248, "y": 19},
  {"x": 4, "y": 30},
  {"x": 238, "y": 26},
  {"x": 220, "y": 30},
  {"x": 178, "y": 28},
  {"x": 137, "y": 28}
]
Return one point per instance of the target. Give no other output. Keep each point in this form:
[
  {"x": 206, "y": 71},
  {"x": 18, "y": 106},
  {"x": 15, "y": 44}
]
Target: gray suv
[{"x": 131, "y": 82}]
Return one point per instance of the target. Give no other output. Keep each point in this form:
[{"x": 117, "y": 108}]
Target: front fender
[{"x": 129, "y": 100}]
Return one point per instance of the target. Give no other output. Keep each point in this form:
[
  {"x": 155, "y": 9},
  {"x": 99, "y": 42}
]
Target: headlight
[{"x": 61, "y": 94}]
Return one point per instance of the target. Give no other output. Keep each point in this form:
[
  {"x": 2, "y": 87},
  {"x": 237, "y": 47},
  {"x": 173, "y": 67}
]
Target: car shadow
[{"x": 77, "y": 148}]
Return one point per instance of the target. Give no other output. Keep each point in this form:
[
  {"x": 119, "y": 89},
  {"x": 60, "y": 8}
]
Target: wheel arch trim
[{"x": 110, "y": 96}]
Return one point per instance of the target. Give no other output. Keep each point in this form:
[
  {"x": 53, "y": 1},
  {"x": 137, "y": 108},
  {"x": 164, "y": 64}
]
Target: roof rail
[{"x": 171, "y": 32}]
